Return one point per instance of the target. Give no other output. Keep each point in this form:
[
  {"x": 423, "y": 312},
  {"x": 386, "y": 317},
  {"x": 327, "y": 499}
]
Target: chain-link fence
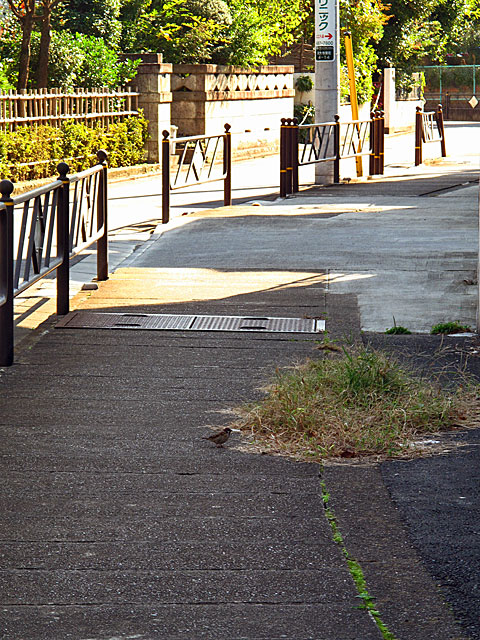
[{"x": 456, "y": 88}]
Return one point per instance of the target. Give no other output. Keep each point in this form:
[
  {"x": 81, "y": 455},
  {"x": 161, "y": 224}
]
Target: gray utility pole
[{"x": 327, "y": 73}]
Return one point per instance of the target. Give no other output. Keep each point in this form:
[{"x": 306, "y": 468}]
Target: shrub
[
  {"x": 304, "y": 84},
  {"x": 34, "y": 152},
  {"x": 85, "y": 61}
]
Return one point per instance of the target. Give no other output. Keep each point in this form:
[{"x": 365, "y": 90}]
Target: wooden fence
[{"x": 53, "y": 106}]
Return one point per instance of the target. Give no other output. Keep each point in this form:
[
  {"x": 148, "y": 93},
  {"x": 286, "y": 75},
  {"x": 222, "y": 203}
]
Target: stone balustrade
[
  {"x": 198, "y": 99},
  {"x": 233, "y": 83},
  {"x": 252, "y": 101}
]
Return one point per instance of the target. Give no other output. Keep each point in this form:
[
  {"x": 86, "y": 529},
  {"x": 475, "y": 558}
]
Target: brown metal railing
[
  {"x": 301, "y": 145},
  {"x": 41, "y": 230},
  {"x": 201, "y": 159},
  {"x": 429, "y": 127},
  {"x": 53, "y": 106}
]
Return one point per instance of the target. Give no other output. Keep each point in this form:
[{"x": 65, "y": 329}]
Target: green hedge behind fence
[{"x": 34, "y": 152}]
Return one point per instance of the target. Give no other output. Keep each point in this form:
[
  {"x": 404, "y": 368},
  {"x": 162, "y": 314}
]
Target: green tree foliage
[
  {"x": 75, "y": 61},
  {"x": 25, "y": 13},
  {"x": 98, "y": 18},
  {"x": 240, "y": 32},
  {"x": 261, "y": 28},
  {"x": 183, "y": 30},
  {"x": 9, "y": 32},
  {"x": 365, "y": 20},
  {"x": 420, "y": 31},
  {"x": 460, "y": 24}
]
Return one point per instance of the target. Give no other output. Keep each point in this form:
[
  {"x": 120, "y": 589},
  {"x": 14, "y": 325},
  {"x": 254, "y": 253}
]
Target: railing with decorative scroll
[
  {"x": 200, "y": 159},
  {"x": 41, "y": 230},
  {"x": 302, "y": 145},
  {"x": 429, "y": 127},
  {"x": 53, "y": 106}
]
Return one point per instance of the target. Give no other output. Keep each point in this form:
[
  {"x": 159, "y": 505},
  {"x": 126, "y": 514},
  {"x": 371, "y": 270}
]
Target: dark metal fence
[
  {"x": 429, "y": 127},
  {"x": 456, "y": 106},
  {"x": 41, "y": 230},
  {"x": 454, "y": 86},
  {"x": 301, "y": 145},
  {"x": 200, "y": 159}
]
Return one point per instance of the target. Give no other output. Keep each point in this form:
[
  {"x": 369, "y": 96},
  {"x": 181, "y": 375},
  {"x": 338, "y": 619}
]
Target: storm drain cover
[{"x": 163, "y": 321}]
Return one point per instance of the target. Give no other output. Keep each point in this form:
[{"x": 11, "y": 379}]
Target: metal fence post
[
  {"x": 227, "y": 167},
  {"x": 288, "y": 153},
  {"x": 6, "y": 275},
  {"x": 102, "y": 217},
  {"x": 165, "y": 177},
  {"x": 336, "y": 143},
  {"x": 381, "y": 155},
  {"x": 447, "y": 105},
  {"x": 283, "y": 159},
  {"x": 418, "y": 136},
  {"x": 441, "y": 130},
  {"x": 371, "y": 163},
  {"x": 63, "y": 241},
  {"x": 294, "y": 155}
]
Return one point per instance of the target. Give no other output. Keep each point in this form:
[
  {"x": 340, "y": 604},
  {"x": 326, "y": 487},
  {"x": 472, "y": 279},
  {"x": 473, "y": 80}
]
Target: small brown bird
[{"x": 219, "y": 438}]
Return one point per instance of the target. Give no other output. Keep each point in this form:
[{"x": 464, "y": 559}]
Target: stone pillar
[
  {"x": 389, "y": 99},
  {"x": 152, "y": 82}
]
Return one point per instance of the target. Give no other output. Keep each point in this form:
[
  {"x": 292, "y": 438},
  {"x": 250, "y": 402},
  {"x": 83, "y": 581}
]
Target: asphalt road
[{"x": 439, "y": 500}]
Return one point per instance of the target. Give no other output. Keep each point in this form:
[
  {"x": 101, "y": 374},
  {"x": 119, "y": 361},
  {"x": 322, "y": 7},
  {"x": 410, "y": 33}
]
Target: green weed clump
[
  {"x": 398, "y": 330},
  {"x": 450, "y": 327},
  {"x": 357, "y": 403}
]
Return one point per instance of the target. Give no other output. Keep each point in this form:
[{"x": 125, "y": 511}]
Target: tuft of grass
[
  {"x": 450, "y": 327},
  {"x": 359, "y": 403},
  {"x": 397, "y": 329}
]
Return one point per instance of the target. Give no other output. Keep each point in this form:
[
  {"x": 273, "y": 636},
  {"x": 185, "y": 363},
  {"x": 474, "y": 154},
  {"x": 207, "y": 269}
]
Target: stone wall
[
  {"x": 201, "y": 99},
  {"x": 205, "y": 97}
]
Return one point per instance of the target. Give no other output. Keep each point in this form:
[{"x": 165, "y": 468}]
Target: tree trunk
[
  {"x": 44, "y": 55},
  {"x": 27, "y": 28}
]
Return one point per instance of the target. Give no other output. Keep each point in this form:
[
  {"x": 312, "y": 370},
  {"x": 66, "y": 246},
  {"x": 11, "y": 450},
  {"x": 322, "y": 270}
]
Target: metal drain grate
[{"x": 163, "y": 322}]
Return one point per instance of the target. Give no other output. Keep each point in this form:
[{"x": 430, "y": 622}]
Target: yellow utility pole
[{"x": 353, "y": 95}]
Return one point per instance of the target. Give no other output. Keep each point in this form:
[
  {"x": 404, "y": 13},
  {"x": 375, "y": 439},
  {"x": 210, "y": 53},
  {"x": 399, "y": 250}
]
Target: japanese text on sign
[{"x": 325, "y": 25}]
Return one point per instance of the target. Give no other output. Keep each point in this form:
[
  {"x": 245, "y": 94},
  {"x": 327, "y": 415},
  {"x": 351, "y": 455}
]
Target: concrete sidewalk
[{"x": 121, "y": 522}]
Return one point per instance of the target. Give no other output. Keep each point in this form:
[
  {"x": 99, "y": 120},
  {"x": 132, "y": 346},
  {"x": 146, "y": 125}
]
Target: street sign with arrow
[{"x": 325, "y": 21}]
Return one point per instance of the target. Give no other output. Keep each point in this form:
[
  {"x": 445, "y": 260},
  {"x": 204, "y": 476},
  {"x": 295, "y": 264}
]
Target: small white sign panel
[{"x": 325, "y": 24}]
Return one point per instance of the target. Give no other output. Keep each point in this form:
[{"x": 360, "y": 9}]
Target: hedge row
[{"x": 34, "y": 152}]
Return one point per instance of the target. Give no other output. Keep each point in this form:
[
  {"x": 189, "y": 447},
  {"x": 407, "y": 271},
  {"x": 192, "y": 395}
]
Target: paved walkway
[{"x": 121, "y": 522}]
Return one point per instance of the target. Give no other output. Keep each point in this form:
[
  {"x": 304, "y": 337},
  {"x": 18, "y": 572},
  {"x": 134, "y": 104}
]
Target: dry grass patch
[{"x": 353, "y": 403}]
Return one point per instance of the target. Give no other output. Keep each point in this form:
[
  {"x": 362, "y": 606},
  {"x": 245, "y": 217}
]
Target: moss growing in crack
[{"x": 354, "y": 567}]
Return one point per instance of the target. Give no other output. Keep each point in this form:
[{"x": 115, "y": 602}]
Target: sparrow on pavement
[{"x": 219, "y": 438}]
